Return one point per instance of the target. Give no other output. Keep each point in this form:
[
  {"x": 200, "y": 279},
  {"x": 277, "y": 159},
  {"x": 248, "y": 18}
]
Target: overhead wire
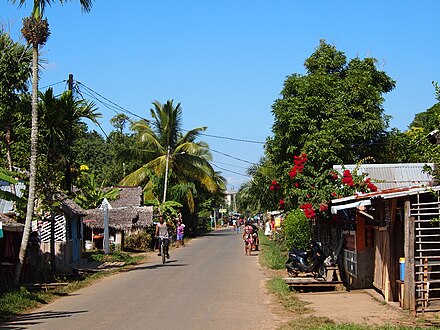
[
  {"x": 57, "y": 83},
  {"x": 81, "y": 88},
  {"x": 224, "y": 169},
  {"x": 110, "y": 103},
  {"x": 231, "y": 165},
  {"x": 233, "y": 157}
]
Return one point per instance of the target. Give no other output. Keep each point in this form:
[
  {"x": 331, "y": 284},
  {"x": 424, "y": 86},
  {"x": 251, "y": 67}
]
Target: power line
[
  {"x": 230, "y": 165},
  {"x": 62, "y": 81},
  {"x": 236, "y": 158},
  {"x": 110, "y": 103},
  {"x": 223, "y": 169},
  {"x": 230, "y": 138}
]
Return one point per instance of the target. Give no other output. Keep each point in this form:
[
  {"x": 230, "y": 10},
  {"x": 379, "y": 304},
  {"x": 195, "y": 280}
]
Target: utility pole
[{"x": 70, "y": 82}]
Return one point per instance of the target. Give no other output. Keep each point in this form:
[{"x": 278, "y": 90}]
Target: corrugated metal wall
[{"x": 7, "y": 206}]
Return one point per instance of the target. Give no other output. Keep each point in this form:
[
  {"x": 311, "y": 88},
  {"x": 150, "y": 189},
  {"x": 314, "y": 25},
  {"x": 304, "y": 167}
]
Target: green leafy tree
[
  {"x": 93, "y": 150},
  {"x": 256, "y": 195},
  {"x": 119, "y": 121},
  {"x": 331, "y": 115},
  {"x": 36, "y": 31},
  {"x": 15, "y": 72}
]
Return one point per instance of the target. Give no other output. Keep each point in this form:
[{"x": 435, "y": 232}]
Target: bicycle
[{"x": 163, "y": 249}]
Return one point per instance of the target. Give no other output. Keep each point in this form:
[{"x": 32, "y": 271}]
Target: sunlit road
[{"x": 210, "y": 284}]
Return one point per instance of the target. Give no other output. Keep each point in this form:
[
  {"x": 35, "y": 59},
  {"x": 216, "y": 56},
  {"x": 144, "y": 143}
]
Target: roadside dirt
[{"x": 364, "y": 307}]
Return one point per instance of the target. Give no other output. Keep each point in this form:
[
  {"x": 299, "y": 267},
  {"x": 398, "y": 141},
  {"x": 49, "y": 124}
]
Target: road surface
[{"x": 209, "y": 284}]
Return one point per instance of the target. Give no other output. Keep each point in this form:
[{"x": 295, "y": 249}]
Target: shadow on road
[
  {"x": 221, "y": 232},
  {"x": 170, "y": 263},
  {"x": 25, "y": 320}
]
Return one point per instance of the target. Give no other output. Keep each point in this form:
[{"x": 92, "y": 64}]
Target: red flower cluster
[
  {"x": 298, "y": 167},
  {"x": 323, "y": 207},
  {"x": 282, "y": 204},
  {"x": 348, "y": 179},
  {"x": 370, "y": 185},
  {"x": 308, "y": 210},
  {"x": 334, "y": 175},
  {"x": 274, "y": 185}
]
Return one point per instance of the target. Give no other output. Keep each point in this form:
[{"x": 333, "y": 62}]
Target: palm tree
[
  {"x": 165, "y": 145},
  {"x": 62, "y": 123},
  {"x": 36, "y": 31}
]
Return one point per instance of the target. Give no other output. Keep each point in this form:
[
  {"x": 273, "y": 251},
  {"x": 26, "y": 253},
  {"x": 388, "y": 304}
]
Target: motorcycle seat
[{"x": 301, "y": 253}]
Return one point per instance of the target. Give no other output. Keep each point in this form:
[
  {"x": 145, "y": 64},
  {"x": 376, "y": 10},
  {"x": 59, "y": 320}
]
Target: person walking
[
  {"x": 267, "y": 230},
  {"x": 179, "y": 233},
  {"x": 248, "y": 239}
]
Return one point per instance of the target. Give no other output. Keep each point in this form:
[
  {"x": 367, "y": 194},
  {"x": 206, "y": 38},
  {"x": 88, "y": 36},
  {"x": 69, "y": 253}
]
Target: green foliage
[
  {"x": 272, "y": 254},
  {"x": 333, "y": 114},
  {"x": 91, "y": 194},
  {"x": 13, "y": 303},
  {"x": 115, "y": 256},
  {"x": 296, "y": 229},
  {"x": 15, "y": 71},
  {"x": 169, "y": 209}
]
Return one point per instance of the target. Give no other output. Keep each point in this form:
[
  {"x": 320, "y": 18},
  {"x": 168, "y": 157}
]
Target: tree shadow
[
  {"x": 23, "y": 321},
  {"x": 169, "y": 263}
]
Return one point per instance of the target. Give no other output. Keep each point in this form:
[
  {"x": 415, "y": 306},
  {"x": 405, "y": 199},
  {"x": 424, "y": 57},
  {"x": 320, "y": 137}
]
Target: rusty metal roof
[{"x": 389, "y": 176}]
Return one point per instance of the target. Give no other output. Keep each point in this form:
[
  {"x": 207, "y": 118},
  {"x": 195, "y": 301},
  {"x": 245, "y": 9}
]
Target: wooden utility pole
[
  {"x": 70, "y": 82},
  {"x": 409, "y": 300}
]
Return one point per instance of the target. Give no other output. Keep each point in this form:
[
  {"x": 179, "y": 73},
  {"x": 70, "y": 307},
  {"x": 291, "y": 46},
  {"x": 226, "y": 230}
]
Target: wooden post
[{"x": 409, "y": 300}]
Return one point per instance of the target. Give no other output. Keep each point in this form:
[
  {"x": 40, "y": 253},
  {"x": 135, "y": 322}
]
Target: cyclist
[{"x": 162, "y": 234}]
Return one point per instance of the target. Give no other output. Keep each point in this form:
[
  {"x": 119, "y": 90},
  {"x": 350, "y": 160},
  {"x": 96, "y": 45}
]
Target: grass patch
[
  {"x": 272, "y": 254},
  {"x": 288, "y": 299},
  {"x": 115, "y": 256},
  {"x": 323, "y": 323}
]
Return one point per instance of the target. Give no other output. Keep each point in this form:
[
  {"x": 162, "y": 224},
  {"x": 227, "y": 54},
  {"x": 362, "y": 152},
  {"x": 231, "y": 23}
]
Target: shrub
[
  {"x": 139, "y": 241},
  {"x": 296, "y": 229}
]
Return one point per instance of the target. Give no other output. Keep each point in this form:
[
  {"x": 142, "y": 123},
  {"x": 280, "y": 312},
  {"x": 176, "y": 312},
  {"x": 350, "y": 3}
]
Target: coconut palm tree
[
  {"x": 36, "y": 31},
  {"x": 169, "y": 153}
]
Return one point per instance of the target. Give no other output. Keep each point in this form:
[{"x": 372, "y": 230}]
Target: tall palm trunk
[{"x": 32, "y": 166}]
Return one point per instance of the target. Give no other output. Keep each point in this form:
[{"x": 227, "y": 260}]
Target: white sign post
[{"x": 105, "y": 206}]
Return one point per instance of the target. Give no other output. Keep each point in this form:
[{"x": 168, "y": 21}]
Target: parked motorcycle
[{"x": 313, "y": 262}]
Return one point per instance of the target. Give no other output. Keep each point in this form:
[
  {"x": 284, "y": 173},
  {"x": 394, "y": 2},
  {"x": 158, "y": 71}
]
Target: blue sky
[{"x": 226, "y": 61}]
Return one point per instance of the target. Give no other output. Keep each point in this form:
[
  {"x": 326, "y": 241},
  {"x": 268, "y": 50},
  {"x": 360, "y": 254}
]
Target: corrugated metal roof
[
  {"x": 8, "y": 206},
  {"x": 389, "y": 176},
  {"x": 387, "y": 194}
]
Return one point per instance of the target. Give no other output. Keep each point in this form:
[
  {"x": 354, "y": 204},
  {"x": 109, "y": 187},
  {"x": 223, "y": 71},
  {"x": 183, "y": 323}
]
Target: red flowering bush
[
  {"x": 298, "y": 166},
  {"x": 347, "y": 178},
  {"x": 281, "y": 204},
  {"x": 274, "y": 185},
  {"x": 308, "y": 210}
]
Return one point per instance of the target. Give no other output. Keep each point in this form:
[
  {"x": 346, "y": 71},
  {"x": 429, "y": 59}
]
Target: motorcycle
[{"x": 301, "y": 261}]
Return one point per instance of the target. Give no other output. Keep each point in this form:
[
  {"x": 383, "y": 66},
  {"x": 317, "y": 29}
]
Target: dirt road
[{"x": 210, "y": 284}]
